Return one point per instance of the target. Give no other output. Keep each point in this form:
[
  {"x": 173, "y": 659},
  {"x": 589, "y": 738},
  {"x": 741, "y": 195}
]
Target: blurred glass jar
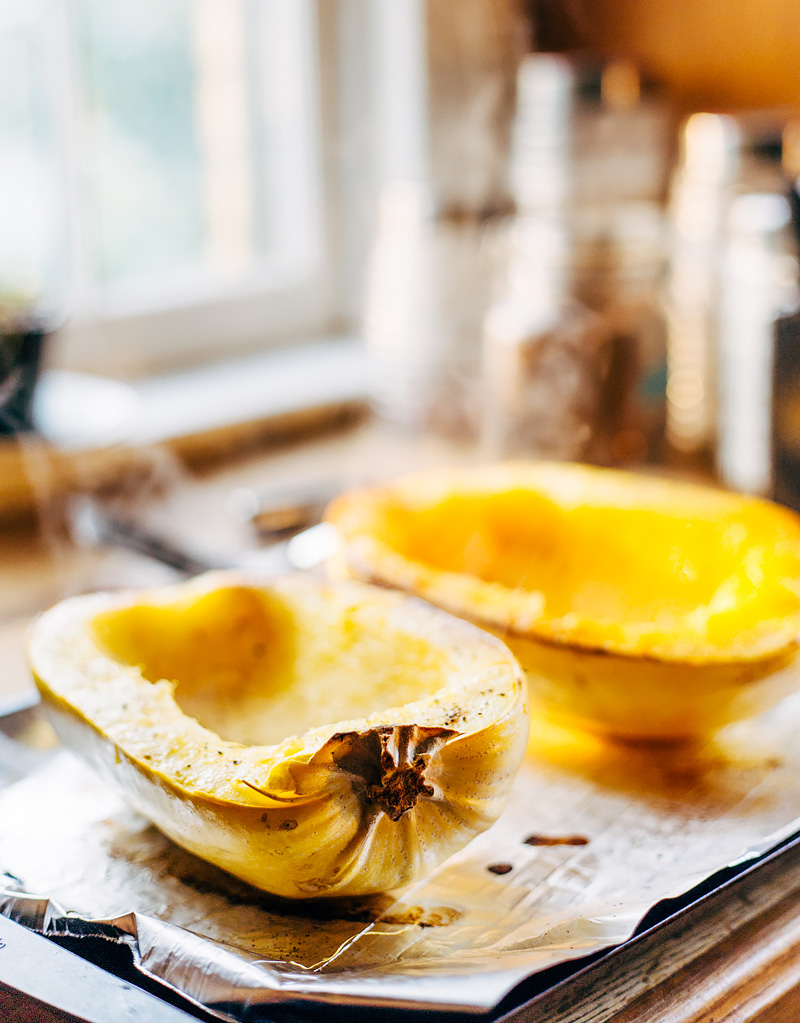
[
  {"x": 567, "y": 291},
  {"x": 545, "y": 355},
  {"x": 588, "y": 132},
  {"x": 733, "y": 271},
  {"x": 581, "y": 326},
  {"x": 581, "y": 309},
  {"x": 758, "y": 283},
  {"x": 619, "y": 270},
  {"x": 431, "y": 279}
]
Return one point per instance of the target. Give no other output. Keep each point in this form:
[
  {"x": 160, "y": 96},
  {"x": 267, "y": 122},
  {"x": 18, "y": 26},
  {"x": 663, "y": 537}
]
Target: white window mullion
[
  {"x": 224, "y": 130},
  {"x": 77, "y": 291},
  {"x": 287, "y": 93}
]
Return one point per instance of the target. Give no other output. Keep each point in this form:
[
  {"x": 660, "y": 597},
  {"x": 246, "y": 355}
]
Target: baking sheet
[{"x": 594, "y": 835}]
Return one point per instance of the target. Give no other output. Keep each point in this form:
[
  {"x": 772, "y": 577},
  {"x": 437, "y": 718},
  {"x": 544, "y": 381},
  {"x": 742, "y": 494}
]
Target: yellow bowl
[{"x": 641, "y": 607}]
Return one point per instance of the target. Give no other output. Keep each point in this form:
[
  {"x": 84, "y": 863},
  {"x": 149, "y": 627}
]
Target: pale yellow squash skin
[
  {"x": 369, "y": 801},
  {"x": 640, "y": 607},
  {"x": 645, "y": 699}
]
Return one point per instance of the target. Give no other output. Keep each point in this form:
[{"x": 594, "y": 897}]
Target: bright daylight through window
[{"x": 159, "y": 168}]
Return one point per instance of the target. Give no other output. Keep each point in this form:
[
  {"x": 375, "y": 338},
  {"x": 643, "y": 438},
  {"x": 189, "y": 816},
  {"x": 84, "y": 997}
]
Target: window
[{"x": 161, "y": 174}]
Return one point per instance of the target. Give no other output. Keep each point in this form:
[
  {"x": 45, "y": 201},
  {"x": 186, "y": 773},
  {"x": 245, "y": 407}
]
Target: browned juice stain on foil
[
  {"x": 433, "y": 916},
  {"x": 500, "y": 868},
  {"x": 556, "y": 840}
]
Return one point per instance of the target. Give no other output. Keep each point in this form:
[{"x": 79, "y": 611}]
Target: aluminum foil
[{"x": 594, "y": 835}]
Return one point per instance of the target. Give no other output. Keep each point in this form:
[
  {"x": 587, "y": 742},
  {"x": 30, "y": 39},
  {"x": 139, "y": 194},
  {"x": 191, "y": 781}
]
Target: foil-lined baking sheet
[{"x": 594, "y": 835}]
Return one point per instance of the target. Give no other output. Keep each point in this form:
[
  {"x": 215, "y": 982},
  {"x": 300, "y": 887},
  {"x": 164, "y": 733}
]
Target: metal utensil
[
  {"x": 93, "y": 525},
  {"x": 279, "y": 514}
]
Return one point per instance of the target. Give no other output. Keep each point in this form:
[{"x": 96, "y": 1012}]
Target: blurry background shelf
[{"x": 92, "y": 430}]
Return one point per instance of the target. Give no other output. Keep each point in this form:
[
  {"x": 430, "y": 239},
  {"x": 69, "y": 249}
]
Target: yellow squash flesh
[
  {"x": 311, "y": 738},
  {"x": 642, "y": 607}
]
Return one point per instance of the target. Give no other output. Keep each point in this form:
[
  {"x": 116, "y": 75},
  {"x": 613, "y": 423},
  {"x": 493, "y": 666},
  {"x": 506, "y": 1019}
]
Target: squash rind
[
  {"x": 676, "y": 657},
  {"x": 294, "y": 818}
]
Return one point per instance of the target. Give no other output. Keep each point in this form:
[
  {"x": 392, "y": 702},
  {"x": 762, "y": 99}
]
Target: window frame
[{"x": 275, "y": 305}]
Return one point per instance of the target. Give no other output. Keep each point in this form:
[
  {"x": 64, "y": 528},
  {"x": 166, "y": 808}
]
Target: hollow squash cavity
[
  {"x": 251, "y": 670},
  {"x": 601, "y": 559}
]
